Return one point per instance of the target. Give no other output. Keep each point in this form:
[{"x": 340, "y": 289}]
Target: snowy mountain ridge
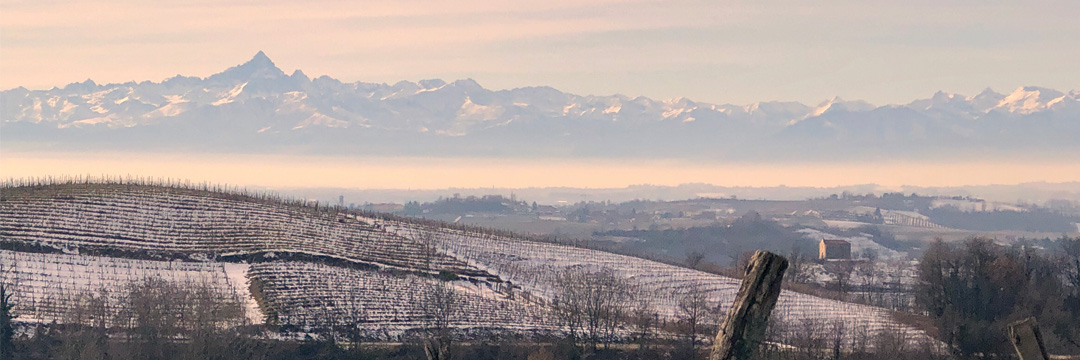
[{"x": 258, "y": 102}]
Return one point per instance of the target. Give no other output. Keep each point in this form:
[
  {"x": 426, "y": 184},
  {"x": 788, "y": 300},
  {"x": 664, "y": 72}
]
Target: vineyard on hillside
[{"x": 305, "y": 265}]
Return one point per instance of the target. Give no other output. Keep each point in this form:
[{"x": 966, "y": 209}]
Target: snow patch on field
[
  {"x": 237, "y": 275},
  {"x": 844, "y": 224}
]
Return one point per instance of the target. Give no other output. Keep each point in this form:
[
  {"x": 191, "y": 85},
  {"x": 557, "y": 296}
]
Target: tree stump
[{"x": 744, "y": 328}]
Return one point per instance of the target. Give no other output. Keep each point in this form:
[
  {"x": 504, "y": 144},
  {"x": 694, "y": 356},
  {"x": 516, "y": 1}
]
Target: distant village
[
  {"x": 841, "y": 211},
  {"x": 862, "y": 244}
]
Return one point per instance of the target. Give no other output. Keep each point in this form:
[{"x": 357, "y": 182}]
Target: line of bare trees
[
  {"x": 151, "y": 318},
  {"x": 590, "y": 304},
  {"x": 597, "y": 307},
  {"x": 809, "y": 339}
]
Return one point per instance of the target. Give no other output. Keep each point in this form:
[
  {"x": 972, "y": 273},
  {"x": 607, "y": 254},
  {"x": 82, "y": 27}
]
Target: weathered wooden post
[
  {"x": 1027, "y": 340},
  {"x": 744, "y": 328}
]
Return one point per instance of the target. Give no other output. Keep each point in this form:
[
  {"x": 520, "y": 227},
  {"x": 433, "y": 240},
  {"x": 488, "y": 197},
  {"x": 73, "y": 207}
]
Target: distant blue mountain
[{"x": 257, "y": 107}]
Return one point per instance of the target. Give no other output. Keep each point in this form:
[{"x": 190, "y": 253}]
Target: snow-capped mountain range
[{"x": 256, "y": 107}]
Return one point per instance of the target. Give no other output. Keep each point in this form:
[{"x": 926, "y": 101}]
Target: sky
[
  {"x": 718, "y": 51},
  {"x": 278, "y": 171}
]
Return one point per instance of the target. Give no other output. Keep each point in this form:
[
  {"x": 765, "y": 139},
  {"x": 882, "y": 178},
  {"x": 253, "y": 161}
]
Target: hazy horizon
[{"x": 440, "y": 173}]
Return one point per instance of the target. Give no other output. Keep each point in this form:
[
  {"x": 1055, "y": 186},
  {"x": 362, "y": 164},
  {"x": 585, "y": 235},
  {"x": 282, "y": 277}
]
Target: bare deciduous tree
[
  {"x": 324, "y": 321},
  {"x": 353, "y": 317},
  {"x": 860, "y": 339},
  {"x": 589, "y": 303},
  {"x": 8, "y": 287},
  {"x": 86, "y": 334},
  {"x": 441, "y": 306},
  {"x": 743, "y": 260},
  {"x": 867, "y": 271},
  {"x": 891, "y": 341},
  {"x": 429, "y": 249},
  {"x": 694, "y": 307},
  {"x": 798, "y": 264},
  {"x": 694, "y": 258},
  {"x": 775, "y": 334},
  {"x": 1070, "y": 264},
  {"x": 808, "y": 339},
  {"x": 841, "y": 271},
  {"x": 837, "y": 333},
  {"x": 644, "y": 320}
]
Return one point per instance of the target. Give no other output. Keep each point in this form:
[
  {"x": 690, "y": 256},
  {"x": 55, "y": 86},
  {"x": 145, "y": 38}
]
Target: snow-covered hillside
[{"x": 308, "y": 263}]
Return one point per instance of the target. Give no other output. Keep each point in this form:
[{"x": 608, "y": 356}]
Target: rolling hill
[{"x": 302, "y": 265}]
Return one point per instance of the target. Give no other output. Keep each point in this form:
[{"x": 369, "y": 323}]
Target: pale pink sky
[
  {"x": 417, "y": 173},
  {"x": 743, "y": 51}
]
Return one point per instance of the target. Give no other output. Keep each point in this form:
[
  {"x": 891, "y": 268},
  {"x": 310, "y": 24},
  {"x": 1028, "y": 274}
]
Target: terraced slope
[
  {"x": 353, "y": 264},
  {"x": 193, "y": 223},
  {"x": 310, "y": 294}
]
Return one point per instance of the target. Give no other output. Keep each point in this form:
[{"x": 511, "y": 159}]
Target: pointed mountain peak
[
  {"x": 988, "y": 92},
  {"x": 261, "y": 57},
  {"x": 260, "y": 66},
  {"x": 261, "y": 61},
  {"x": 985, "y": 100},
  {"x": 831, "y": 101}
]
